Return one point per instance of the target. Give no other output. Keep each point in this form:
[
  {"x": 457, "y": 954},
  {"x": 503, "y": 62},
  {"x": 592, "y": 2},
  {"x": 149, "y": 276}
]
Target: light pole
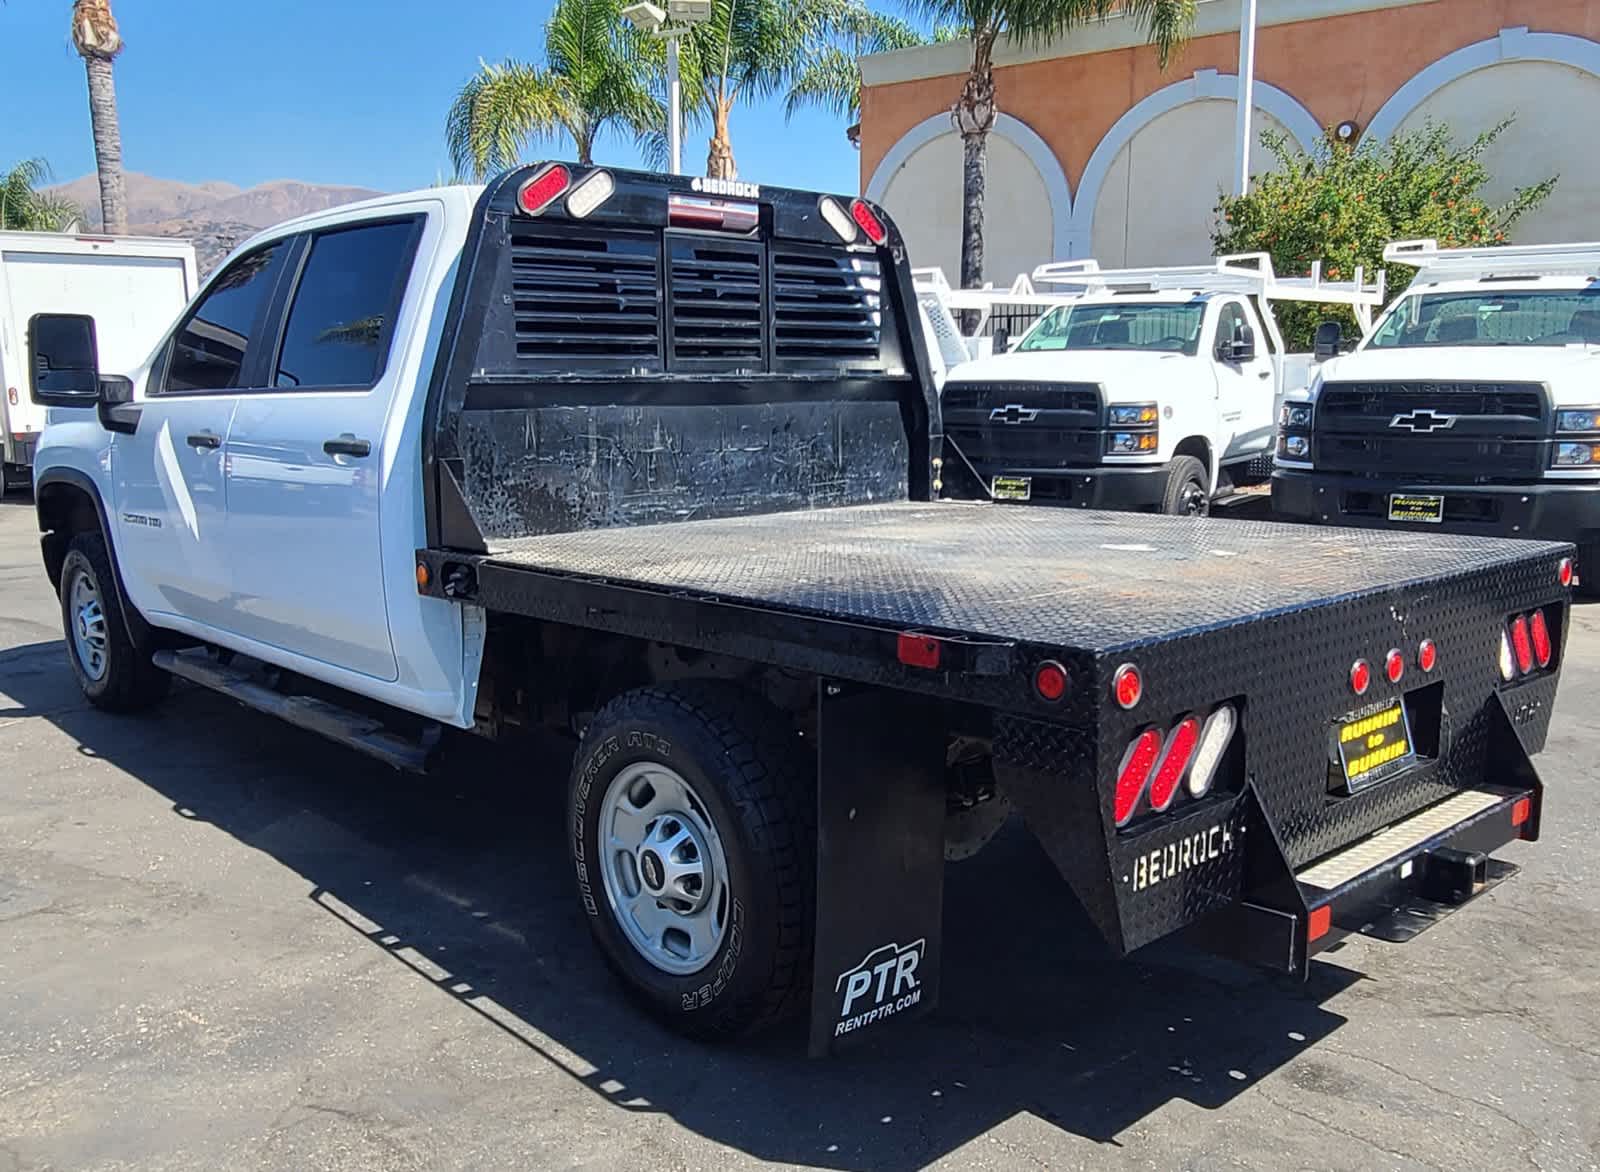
[
  {"x": 1246, "y": 100},
  {"x": 670, "y": 25}
]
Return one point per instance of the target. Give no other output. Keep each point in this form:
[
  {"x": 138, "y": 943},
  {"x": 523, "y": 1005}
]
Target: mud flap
[{"x": 880, "y": 862}]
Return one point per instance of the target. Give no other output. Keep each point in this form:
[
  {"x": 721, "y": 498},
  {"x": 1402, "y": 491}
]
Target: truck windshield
[
  {"x": 1548, "y": 317},
  {"x": 1161, "y": 326}
]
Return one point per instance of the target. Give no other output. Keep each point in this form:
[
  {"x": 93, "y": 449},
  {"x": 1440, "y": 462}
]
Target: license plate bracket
[
  {"x": 1374, "y": 744},
  {"x": 1423, "y": 508},
  {"x": 1011, "y": 488}
]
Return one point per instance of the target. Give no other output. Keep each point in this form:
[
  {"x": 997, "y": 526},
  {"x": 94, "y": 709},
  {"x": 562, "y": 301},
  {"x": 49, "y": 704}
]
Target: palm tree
[
  {"x": 830, "y": 75},
  {"x": 594, "y": 79},
  {"x": 94, "y": 33},
  {"x": 24, "y": 208},
  {"x": 1165, "y": 23},
  {"x": 748, "y": 49}
]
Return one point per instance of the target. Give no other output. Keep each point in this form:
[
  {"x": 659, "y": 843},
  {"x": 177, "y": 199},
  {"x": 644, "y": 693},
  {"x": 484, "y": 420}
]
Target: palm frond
[
  {"x": 24, "y": 208},
  {"x": 831, "y": 81},
  {"x": 500, "y": 110}
]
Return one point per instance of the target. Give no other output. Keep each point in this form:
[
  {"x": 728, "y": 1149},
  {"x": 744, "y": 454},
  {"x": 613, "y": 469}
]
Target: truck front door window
[
  {"x": 339, "y": 325},
  {"x": 209, "y": 350},
  {"x": 1531, "y": 317},
  {"x": 1161, "y": 326}
]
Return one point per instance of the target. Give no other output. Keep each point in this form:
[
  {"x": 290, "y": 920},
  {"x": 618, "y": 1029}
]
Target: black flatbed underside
[{"x": 1089, "y": 581}]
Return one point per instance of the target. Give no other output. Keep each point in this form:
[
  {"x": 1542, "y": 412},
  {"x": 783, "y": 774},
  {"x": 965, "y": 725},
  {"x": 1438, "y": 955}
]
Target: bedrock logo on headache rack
[{"x": 883, "y": 984}]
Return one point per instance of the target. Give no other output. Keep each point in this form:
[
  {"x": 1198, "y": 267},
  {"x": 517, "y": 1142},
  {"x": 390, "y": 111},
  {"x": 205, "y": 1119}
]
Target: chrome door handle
[
  {"x": 205, "y": 439},
  {"x": 347, "y": 445}
]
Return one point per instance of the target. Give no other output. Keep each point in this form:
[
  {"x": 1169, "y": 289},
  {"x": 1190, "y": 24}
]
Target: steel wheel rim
[
  {"x": 663, "y": 868},
  {"x": 88, "y": 622},
  {"x": 1195, "y": 503}
]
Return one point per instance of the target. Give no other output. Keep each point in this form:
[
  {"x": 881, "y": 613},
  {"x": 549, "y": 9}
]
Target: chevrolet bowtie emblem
[
  {"x": 1013, "y": 413},
  {"x": 1423, "y": 420}
]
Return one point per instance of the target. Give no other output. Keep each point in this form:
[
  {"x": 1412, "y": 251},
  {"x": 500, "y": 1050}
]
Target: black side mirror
[
  {"x": 63, "y": 360},
  {"x": 1239, "y": 348},
  {"x": 1002, "y": 339},
  {"x": 1325, "y": 344}
]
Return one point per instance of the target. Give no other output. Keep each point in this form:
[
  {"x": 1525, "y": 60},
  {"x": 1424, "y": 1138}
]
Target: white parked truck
[
  {"x": 1473, "y": 406},
  {"x": 1146, "y": 388},
  {"x": 651, "y": 460},
  {"x": 131, "y": 286}
]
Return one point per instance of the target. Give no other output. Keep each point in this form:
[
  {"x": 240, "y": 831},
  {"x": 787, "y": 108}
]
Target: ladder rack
[{"x": 1509, "y": 260}]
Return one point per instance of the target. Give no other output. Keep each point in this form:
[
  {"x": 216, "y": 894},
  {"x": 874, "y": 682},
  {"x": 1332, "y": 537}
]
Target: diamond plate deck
[{"x": 1092, "y": 581}]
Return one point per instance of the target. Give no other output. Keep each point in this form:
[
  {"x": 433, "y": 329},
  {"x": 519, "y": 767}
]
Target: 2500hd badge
[{"x": 883, "y": 984}]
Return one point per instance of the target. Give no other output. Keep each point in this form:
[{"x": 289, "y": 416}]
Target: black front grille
[
  {"x": 718, "y": 298},
  {"x": 827, "y": 307},
  {"x": 1433, "y": 432},
  {"x": 1001, "y": 426},
  {"x": 576, "y": 296}
]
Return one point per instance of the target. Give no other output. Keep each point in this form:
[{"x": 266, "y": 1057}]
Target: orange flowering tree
[{"x": 1342, "y": 203}]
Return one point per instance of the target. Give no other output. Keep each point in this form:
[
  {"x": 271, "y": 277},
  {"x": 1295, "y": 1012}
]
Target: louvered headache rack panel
[{"x": 603, "y": 298}]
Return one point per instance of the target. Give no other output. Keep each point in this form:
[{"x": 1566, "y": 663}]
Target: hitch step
[{"x": 356, "y": 730}]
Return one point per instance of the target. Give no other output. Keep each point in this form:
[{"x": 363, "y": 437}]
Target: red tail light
[
  {"x": 1127, "y": 685},
  {"x": 1394, "y": 665},
  {"x": 1050, "y": 680},
  {"x": 1564, "y": 571},
  {"x": 543, "y": 189},
  {"x": 1522, "y": 644},
  {"x": 1427, "y": 655},
  {"x": 1136, "y": 765},
  {"x": 868, "y": 221},
  {"x": 1521, "y": 811},
  {"x": 1180, "y": 748},
  {"x": 1541, "y": 638},
  {"x": 1360, "y": 677}
]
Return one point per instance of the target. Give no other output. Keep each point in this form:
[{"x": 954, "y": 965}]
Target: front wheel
[
  {"x": 1187, "y": 492},
  {"x": 112, "y": 672},
  {"x": 692, "y": 828}
]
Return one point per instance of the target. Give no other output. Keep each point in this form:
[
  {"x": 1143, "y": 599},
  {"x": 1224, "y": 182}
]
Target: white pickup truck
[
  {"x": 652, "y": 461},
  {"x": 1147, "y": 388},
  {"x": 1473, "y": 406}
]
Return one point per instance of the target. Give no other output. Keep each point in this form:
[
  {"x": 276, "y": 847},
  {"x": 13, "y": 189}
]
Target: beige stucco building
[{"x": 1101, "y": 153}]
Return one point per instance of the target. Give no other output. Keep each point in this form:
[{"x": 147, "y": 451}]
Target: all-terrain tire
[
  {"x": 1188, "y": 492},
  {"x": 755, "y": 779},
  {"x": 124, "y": 679}
]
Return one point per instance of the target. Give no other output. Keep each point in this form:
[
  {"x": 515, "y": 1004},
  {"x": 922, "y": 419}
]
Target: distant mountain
[{"x": 216, "y": 216}]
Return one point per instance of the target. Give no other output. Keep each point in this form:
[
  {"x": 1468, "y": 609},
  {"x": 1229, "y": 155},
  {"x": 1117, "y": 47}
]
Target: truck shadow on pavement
[{"x": 464, "y": 879}]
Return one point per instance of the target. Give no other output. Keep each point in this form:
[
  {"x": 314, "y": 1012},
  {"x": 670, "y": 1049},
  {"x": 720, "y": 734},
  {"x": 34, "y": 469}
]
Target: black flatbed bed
[{"x": 1086, "y": 580}]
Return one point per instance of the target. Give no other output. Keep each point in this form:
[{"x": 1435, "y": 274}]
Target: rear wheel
[
  {"x": 113, "y": 673},
  {"x": 693, "y": 835},
  {"x": 1187, "y": 493}
]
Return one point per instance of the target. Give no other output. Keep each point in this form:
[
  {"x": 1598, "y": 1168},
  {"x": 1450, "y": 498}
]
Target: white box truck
[{"x": 132, "y": 286}]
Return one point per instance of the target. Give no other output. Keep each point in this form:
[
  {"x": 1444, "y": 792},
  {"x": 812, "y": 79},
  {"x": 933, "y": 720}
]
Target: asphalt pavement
[{"x": 226, "y": 944}]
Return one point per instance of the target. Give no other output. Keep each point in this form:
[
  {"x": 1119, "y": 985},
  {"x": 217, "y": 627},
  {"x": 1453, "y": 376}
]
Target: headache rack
[
  {"x": 1504, "y": 261},
  {"x": 1248, "y": 273}
]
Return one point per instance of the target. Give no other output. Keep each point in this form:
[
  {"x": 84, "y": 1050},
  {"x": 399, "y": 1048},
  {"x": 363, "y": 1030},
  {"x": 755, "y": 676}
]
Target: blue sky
[{"x": 326, "y": 91}]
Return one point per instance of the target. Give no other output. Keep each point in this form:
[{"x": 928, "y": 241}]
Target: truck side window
[
  {"x": 343, "y": 311},
  {"x": 209, "y": 349},
  {"x": 1229, "y": 321}
]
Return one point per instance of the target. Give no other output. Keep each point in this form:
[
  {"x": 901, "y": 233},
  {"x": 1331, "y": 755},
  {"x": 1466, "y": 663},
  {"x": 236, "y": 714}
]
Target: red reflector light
[
  {"x": 868, "y": 221},
  {"x": 1541, "y": 638},
  {"x": 918, "y": 650},
  {"x": 1050, "y": 680},
  {"x": 1522, "y": 644},
  {"x": 1564, "y": 571},
  {"x": 1427, "y": 655},
  {"x": 1127, "y": 685},
  {"x": 1360, "y": 677},
  {"x": 1521, "y": 811},
  {"x": 1320, "y": 923},
  {"x": 543, "y": 189},
  {"x": 1394, "y": 665},
  {"x": 1135, "y": 771},
  {"x": 1180, "y": 747}
]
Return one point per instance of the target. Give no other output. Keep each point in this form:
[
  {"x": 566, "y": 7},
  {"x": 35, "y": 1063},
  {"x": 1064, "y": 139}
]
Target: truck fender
[{"x": 58, "y": 493}]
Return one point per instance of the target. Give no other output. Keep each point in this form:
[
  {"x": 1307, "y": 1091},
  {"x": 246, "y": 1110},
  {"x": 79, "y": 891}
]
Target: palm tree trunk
[
  {"x": 107, "y": 144},
  {"x": 719, "y": 161},
  {"x": 974, "y": 116}
]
